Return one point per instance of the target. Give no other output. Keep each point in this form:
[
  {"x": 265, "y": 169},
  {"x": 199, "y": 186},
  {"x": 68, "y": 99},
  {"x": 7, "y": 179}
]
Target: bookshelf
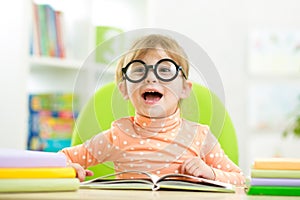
[
  {"x": 71, "y": 64},
  {"x": 79, "y": 22},
  {"x": 68, "y": 72}
]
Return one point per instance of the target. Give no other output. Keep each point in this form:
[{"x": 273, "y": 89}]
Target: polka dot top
[{"x": 158, "y": 146}]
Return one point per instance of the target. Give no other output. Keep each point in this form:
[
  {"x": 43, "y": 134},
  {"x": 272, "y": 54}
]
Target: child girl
[{"x": 153, "y": 75}]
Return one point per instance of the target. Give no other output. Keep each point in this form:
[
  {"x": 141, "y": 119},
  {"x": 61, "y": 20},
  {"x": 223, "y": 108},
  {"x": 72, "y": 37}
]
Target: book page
[
  {"x": 152, "y": 178},
  {"x": 193, "y": 179},
  {"x": 109, "y": 182},
  {"x": 154, "y": 182}
]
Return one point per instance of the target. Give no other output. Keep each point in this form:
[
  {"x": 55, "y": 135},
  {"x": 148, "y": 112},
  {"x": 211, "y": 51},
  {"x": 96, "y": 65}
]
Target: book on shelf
[
  {"x": 47, "y": 32},
  {"x": 37, "y": 172},
  {"x": 154, "y": 182},
  {"x": 13, "y": 158},
  {"x": 51, "y": 120},
  {"x": 61, "y": 52},
  {"x": 39, "y": 185},
  {"x": 277, "y": 163},
  {"x": 35, "y": 33},
  {"x": 42, "y": 27}
]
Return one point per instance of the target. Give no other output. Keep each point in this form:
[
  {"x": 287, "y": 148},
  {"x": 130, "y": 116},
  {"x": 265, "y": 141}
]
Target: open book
[{"x": 153, "y": 182}]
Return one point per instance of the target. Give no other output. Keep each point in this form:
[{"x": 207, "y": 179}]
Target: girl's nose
[{"x": 151, "y": 78}]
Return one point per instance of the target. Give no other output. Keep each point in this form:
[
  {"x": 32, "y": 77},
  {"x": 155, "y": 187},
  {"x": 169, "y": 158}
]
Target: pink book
[{"x": 26, "y": 158}]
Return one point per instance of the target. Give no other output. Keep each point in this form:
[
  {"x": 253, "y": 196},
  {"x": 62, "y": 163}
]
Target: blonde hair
[{"x": 153, "y": 42}]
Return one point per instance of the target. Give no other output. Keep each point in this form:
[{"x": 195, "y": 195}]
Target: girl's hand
[
  {"x": 81, "y": 173},
  {"x": 197, "y": 167}
]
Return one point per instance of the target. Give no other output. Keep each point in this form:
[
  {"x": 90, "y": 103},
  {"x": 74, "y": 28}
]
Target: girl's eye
[
  {"x": 164, "y": 69},
  {"x": 138, "y": 69}
]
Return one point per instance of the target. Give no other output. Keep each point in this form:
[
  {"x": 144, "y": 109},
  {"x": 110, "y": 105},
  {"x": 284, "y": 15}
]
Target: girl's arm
[
  {"x": 90, "y": 153},
  {"x": 223, "y": 168}
]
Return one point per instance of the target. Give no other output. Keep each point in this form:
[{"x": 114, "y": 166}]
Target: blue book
[{"x": 51, "y": 30}]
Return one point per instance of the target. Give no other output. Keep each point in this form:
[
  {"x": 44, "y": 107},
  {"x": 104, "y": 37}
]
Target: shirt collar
[{"x": 158, "y": 125}]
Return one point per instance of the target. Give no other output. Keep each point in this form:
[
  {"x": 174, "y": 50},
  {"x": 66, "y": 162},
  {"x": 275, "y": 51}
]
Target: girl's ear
[
  {"x": 123, "y": 89},
  {"x": 187, "y": 87}
]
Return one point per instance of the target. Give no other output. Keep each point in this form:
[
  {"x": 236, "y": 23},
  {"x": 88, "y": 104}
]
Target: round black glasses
[{"x": 165, "y": 70}]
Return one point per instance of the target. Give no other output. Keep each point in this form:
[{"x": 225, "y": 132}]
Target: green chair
[{"x": 107, "y": 105}]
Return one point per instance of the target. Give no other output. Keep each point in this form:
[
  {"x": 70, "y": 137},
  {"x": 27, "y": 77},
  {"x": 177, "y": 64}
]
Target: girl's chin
[{"x": 156, "y": 112}]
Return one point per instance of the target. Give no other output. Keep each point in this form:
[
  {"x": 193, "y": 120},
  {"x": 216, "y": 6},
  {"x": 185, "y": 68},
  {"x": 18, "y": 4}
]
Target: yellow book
[
  {"x": 55, "y": 172},
  {"x": 277, "y": 164}
]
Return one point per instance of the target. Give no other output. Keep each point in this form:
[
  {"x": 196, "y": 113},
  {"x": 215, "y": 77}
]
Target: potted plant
[
  {"x": 289, "y": 145},
  {"x": 294, "y": 126}
]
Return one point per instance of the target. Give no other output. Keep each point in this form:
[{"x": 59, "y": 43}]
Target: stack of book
[
  {"x": 47, "y": 37},
  {"x": 34, "y": 171},
  {"x": 51, "y": 121},
  {"x": 275, "y": 176}
]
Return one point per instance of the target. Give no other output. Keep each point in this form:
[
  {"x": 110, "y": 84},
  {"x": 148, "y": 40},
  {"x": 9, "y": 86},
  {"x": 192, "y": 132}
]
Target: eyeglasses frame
[{"x": 154, "y": 67}]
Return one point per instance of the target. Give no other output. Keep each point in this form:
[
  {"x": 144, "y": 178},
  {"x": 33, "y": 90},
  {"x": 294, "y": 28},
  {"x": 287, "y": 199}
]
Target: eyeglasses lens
[
  {"x": 136, "y": 71},
  {"x": 165, "y": 70}
]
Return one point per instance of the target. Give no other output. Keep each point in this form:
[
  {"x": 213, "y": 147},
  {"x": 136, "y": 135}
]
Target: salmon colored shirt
[{"x": 158, "y": 146}]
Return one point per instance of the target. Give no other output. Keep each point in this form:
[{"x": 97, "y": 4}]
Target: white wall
[
  {"x": 13, "y": 51},
  {"x": 221, "y": 28}
]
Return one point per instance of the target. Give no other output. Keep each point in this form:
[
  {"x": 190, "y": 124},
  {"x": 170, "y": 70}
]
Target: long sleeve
[
  {"x": 94, "y": 151},
  {"x": 224, "y": 169},
  {"x": 129, "y": 146}
]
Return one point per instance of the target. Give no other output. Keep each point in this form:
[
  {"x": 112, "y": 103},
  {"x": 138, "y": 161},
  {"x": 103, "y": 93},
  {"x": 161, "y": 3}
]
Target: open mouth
[{"x": 152, "y": 96}]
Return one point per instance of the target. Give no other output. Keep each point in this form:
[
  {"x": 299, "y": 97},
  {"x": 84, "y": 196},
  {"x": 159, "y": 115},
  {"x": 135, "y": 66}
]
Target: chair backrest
[{"x": 107, "y": 105}]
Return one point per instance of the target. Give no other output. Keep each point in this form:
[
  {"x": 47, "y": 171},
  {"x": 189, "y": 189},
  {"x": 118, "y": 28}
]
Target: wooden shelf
[{"x": 54, "y": 62}]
